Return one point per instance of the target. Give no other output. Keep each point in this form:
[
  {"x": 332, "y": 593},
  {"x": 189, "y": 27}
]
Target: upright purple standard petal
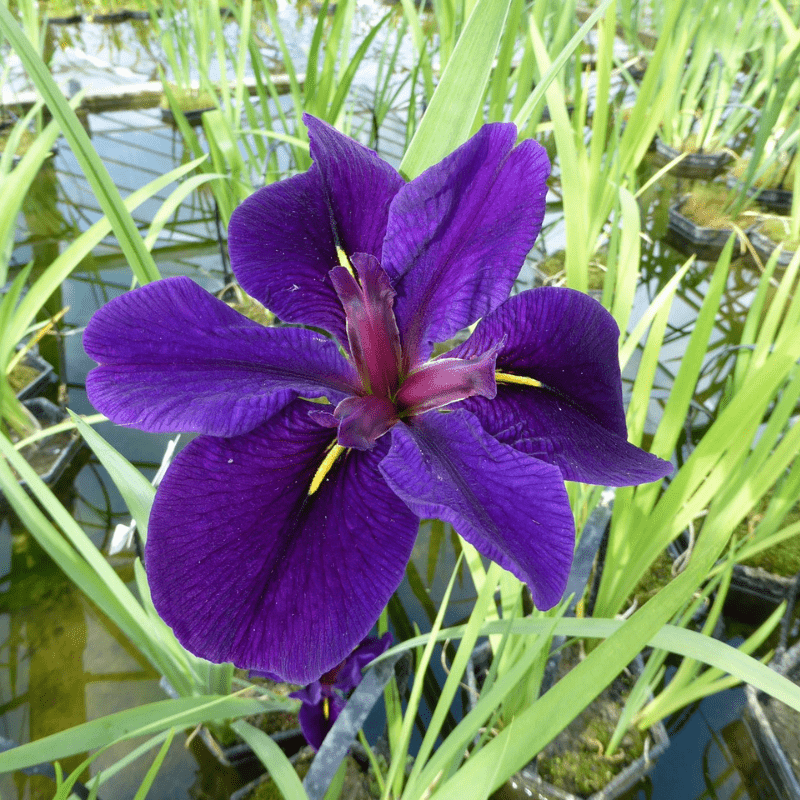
[
  {"x": 282, "y": 248},
  {"x": 359, "y": 187},
  {"x": 245, "y": 566},
  {"x": 458, "y": 234},
  {"x": 563, "y": 339},
  {"x": 175, "y": 358},
  {"x": 511, "y": 507},
  {"x": 283, "y": 238}
]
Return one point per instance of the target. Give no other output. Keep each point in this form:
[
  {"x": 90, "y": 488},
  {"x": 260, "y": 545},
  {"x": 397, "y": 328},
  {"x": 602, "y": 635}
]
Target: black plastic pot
[
  {"x": 194, "y": 116},
  {"x": 50, "y": 456},
  {"x": 689, "y": 237},
  {"x": 774, "y": 729},
  {"x": 765, "y": 246},
  {"x": 693, "y": 165},
  {"x": 240, "y": 755},
  {"x": 779, "y": 201},
  {"x": 44, "y": 375}
]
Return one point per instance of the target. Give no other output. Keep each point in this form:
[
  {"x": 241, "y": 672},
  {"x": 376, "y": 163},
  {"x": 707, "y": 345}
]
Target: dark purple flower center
[{"x": 389, "y": 391}]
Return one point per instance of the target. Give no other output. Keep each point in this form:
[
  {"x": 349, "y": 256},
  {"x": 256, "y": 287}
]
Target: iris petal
[
  {"x": 283, "y": 238},
  {"x": 563, "y": 339},
  {"x": 458, "y": 234},
  {"x": 359, "y": 187},
  {"x": 547, "y": 426},
  {"x": 511, "y": 507},
  {"x": 246, "y": 567},
  {"x": 175, "y": 358},
  {"x": 282, "y": 248}
]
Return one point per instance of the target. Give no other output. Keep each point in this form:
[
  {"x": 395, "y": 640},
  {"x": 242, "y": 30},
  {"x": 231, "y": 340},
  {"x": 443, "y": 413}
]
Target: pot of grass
[{"x": 578, "y": 763}]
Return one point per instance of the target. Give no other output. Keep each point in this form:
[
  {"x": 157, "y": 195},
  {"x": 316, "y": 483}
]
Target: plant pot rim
[
  {"x": 686, "y": 235},
  {"x": 769, "y": 749},
  {"x": 693, "y": 165},
  {"x": 51, "y": 414},
  {"x": 776, "y": 200},
  {"x": 765, "y": 246},
  {"x": 45, "y": 375}
]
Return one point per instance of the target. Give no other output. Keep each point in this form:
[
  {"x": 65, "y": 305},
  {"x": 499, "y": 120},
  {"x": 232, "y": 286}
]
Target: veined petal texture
[
  {"x": 245, "y": 566},
  {"x": 458, "y": 235},
  {"x": 283, "y": 238},
  {"x": 563, "y": 339},
  {"x": 511, "y": 507},
  {"x": 175, "y": 358},
  {"x": 549, "y": 427}
]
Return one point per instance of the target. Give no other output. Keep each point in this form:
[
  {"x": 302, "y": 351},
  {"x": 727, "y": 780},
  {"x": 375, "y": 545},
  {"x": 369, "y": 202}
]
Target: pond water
[{"x": 61, "y": 661}]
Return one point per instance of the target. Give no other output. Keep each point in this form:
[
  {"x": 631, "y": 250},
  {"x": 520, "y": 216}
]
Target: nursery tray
[
  {"x": 689, "y": 237},
  {"x": 693, "y": 165},
  {"x": 770, "y": 722},
  {"x": 765, "y": 246},
  {"x": 527, "y": 783}
]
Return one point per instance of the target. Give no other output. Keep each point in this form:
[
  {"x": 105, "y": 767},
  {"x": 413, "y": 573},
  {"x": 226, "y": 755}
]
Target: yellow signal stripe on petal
[
  {"x": 325, "y": 467},
  {"x": 504, "y": 377},
  {"x": 345, "y": 261}
]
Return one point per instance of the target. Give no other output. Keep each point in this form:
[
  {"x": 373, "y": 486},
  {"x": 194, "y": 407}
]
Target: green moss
[
  {"x": 575, "y": 760},
  {"x": 778, "y": 175},
  {"x": 653, "y": 581},
  {"x": 356, "y": 783},
  {"x": 66, "y": 8},
  {"x": 21, "y": 376},
  {"x": 191, "y": 99},
  {"x": 784, "y": 559},
  {"x": 269, "y": 791},
  {"x": 707, "y": 205},
  {"x": 26, "y": 139},
  {"x": 553, "y": 269},
  {"x": 777, "y": 229}
]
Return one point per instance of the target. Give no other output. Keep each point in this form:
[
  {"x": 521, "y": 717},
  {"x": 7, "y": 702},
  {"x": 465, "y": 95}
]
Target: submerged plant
[{"x": 278, "y": 536}]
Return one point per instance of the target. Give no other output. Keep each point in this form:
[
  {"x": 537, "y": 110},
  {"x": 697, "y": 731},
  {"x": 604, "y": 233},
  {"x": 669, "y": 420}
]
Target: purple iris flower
[
  {"x": 324, "y": 699},
  {"x": 277, "y": 537}
]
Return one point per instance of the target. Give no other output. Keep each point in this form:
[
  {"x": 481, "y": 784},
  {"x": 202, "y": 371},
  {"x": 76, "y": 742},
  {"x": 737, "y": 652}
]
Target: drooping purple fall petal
[
  {"x": 549, "y": 427},
  {"x": 511, "y": 507},
  {"x": 458, "y": 235},
  {"x": 563, "y": 339},
  {"x": 246, "y": 567},
  {"x": 175, "y": 358}
]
